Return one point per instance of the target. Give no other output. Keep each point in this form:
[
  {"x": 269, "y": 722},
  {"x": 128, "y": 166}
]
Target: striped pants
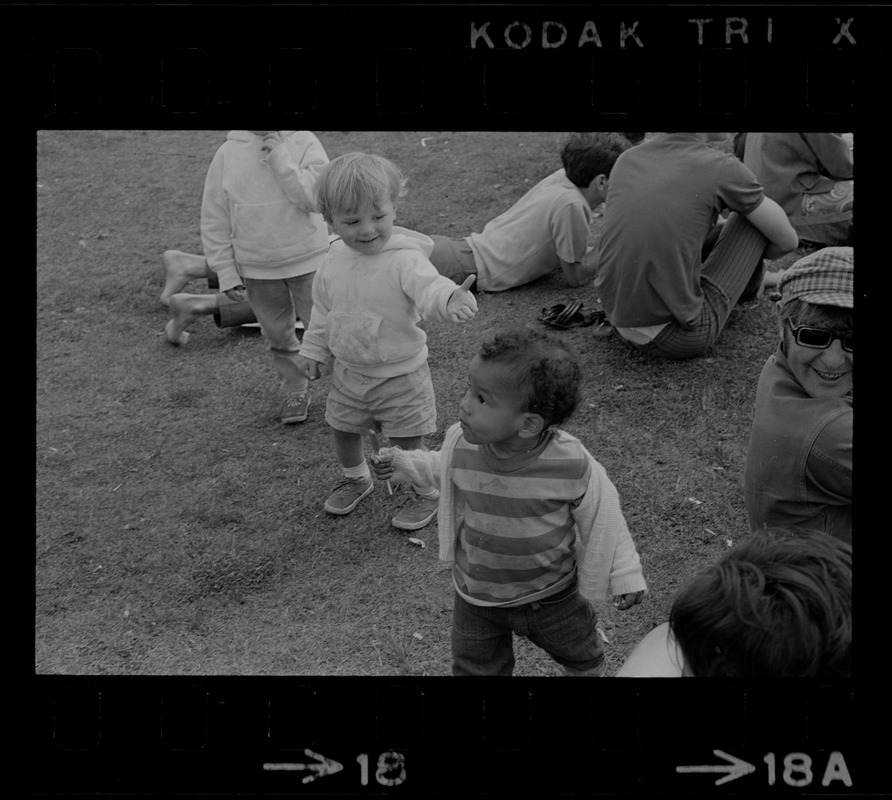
[{"x": 723, "y": 277}]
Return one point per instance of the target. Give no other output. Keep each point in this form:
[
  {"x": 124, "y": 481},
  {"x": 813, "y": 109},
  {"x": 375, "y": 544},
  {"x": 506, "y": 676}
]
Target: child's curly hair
[
  {"x": 543, "y": 370},
  {"x": 350, "y": 180},
  {"x": 778, "y": 605}
]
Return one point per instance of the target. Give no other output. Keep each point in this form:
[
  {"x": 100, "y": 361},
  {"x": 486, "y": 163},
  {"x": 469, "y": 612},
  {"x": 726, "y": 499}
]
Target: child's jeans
[
  {"x": 275, "y": 303},
  {"x": 563, "y": 625}
]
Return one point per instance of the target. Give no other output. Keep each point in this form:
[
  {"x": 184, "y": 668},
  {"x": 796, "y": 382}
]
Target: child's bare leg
[
  {"x": 348, "y": 447},
  {"x": 179, "y": 269},
  {"x": 185, "y": 309}
]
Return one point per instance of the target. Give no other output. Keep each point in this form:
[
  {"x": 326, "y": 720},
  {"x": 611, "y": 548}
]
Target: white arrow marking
[
  {"x": 736, "y": 769},
  {"x": 323, "y": 766}
]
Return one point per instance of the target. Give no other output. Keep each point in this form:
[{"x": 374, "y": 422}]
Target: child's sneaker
[
  {"x": 416, "y": 514},
  {"x": 295, "y": 408},
  {"x": 346, "y": 494}
]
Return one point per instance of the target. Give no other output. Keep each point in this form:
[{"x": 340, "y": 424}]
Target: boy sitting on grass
[
  {"x": 529, "y": 519},
  {"x": 369, "y": 294},
  {"x": 666, "y": 195}
]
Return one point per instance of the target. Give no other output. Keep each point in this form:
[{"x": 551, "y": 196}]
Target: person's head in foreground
[
  {"x": 817, "y": 320},
  {"x": 357, "y": 193},
  {"x": 520, "y": 384},
  {"x": 779, "y": 604}
]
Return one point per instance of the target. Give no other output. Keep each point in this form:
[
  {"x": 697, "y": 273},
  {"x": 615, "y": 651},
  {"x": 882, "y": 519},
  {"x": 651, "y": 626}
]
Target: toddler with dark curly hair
[{"x": 528, "y": 518}]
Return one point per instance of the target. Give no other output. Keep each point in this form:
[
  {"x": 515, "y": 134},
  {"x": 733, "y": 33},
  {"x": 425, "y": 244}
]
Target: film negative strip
[{"x": 457, "y": 68}]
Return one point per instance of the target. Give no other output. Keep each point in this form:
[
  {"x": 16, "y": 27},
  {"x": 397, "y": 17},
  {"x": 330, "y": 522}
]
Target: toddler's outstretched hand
[
  {"x": 462, "y": 304},
  {"x": 309, "y": 368},
  {"x": 625, "y": 601}
]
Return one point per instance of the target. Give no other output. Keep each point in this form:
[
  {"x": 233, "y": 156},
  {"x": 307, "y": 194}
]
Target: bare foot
[
  {"x": 179, "y": 269},
  {"x": 185, "y": 309}
]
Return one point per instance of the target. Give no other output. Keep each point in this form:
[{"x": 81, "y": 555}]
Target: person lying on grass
[
  {"x": 528, "y": 518},
  {"x": 779, "y": 604},
  {"x": 548, "y": 228},
  {"x": 799, "y": 465},
  {"x": 372, "y": 289}
]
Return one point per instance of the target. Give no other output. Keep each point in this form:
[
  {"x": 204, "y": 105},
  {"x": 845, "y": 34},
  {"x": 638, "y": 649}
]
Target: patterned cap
[{"x": 825, "y": 278}]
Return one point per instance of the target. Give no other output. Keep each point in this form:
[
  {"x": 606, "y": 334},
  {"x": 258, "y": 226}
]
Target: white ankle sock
[{"x": 360, "y": 471}]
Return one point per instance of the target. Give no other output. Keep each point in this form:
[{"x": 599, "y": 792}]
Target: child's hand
[
  {"x": 271, "y": 141},
  {"x": 462, "y": 304},
  {"x": 309, "y": 368},
  {"x": 236, "y": 293},
  {"x": 383, "y": 467},
  {"x": 624, "y": 602}
]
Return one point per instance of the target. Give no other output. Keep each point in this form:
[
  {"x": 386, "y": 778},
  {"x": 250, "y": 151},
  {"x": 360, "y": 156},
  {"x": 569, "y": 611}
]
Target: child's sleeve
[
  {"x": 430, "y": 291},
  {"x": 570, "y": 232},
  {"x": 216, "y": 227},
  {"x": 607, "y": 560},
  {"x": 737, "y": 188},
  {"x": 296, "y": 164},
  {"x": 421, "y": 467},
  {"x": 314, "y": 344}
]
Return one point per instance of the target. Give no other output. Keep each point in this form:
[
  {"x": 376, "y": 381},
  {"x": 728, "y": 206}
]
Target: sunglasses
[{"x": 821, "y": 338}]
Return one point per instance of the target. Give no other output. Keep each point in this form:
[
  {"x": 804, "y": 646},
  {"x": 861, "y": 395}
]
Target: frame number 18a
[{"x": 797, "y": 770}]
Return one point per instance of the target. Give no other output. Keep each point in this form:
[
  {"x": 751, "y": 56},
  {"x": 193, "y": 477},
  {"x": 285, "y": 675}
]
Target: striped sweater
[{"x": 518, "y": 531}]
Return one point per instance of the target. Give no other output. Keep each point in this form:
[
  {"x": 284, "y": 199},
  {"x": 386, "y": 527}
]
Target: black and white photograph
[
  {"x": 263, "y": 357},
  {"x": 423, "y": 381}
]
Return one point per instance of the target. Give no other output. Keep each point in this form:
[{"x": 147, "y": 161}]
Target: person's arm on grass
[
  {"x": 769, "y": 218},
  {"x": 579, "y": 273}
]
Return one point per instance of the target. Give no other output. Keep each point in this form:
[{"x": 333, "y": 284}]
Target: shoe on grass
[
  {"x": 347, "y": 493},
  {"x": 294, "y": 408},
  {"x": 417, "y": 513}
]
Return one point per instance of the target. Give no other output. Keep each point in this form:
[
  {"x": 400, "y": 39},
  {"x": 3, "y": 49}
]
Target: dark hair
[
  {"x": 541, "y": 368},
  {"x": 778, "y": 604},
  {"x": 584, "y": 156}
]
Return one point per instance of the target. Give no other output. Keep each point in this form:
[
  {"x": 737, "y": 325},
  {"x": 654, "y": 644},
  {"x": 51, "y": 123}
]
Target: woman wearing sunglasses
[{"x": 799, "y": 466}]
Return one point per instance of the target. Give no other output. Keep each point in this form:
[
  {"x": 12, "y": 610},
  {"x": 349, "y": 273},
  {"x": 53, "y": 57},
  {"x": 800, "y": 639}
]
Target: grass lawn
[{"x": 180, "y": 527}]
